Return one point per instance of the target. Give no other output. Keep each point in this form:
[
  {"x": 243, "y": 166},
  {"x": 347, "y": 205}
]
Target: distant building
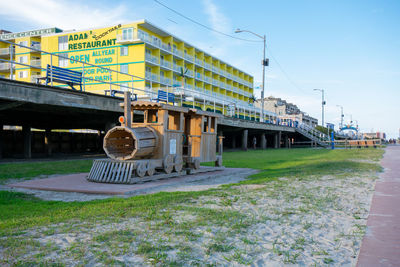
[
  {"x": 4, "y": 31},
  {"x": 286, "y": 111},
  {"x": 377, "y": 135}
]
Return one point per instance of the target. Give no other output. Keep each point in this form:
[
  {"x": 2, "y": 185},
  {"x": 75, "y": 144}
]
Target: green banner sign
[{"x": 8, "y": 36}]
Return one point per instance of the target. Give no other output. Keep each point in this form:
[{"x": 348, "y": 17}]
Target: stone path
[
  {"x": 75, "y": 187},
  {"x": 381, "y": 244}
]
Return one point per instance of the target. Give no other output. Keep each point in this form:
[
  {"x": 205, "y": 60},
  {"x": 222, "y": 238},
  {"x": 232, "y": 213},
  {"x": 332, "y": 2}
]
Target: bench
[
  {"x": 62, "y": 75},
  {"x": 113, "y": 93},
  {"x": 371, "y": 143},
  {"x": 165, "y": 97},
  {"x": 362, "y": 143}
]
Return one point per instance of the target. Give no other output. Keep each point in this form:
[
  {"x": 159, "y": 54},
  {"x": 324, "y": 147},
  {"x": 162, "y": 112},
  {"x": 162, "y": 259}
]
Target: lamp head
[{"x": 238, "y": 30}]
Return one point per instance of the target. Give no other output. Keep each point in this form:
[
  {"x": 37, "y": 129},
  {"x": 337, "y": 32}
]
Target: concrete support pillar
[
  {"x": 245, "y": 135},
  {"x": 263, "y": 141},
  {"x": 27, "y": 135},
  {"x": 276, "y": 140},
  {"x": 286, "y": 140},
  {"x": 47, "y": 142},
  {"x": 1, "y": 141},
  {"x": 234, "y": 140},
  {"x": 279, "y": 139}
]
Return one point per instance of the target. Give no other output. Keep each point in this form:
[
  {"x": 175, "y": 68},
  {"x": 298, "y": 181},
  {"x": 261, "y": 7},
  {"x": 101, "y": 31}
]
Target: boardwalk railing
[{"x": 185, "y": 95}]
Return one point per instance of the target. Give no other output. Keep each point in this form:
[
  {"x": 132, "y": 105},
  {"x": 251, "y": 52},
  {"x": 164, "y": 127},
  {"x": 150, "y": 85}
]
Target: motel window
[
  {"x": 124, "y": 68},
  {"x": 63, "y": 60},
  {"x": 63, "y": 42},
  {"x": 125, "y": 86},
  {"x": 124, "y": 51},
  {"x": 23, "y": 59},
  {"x": 140, "y": 34},
  {"x": 127, "y": 34},
  {"x": 23, "y": 74},
  {"x": 25, "y": 43}
]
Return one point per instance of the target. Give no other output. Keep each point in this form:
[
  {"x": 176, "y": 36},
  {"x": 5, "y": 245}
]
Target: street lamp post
[
  {"x": 265, "y": 62},
  {"x": 341, "y": 115},
  {"x": 323, "y": 104}
]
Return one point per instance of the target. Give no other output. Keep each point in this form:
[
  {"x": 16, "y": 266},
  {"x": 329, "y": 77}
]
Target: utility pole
[
  {"x": 264, "y": 62},
  {"x": 341, "y": 115},
  {"x": 323, "y": 104}
]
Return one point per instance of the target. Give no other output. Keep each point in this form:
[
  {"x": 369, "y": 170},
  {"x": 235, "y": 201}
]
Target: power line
[
  {"x": 204, "y": 26},
  {"x": 234, "y": 37},
  {"x": 285, "y": 73}
]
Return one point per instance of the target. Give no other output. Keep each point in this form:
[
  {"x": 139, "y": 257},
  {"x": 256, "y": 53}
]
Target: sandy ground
[{"x": 311, "y": 221}]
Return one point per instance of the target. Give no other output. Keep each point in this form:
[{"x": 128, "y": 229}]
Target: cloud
[
  {"x": 216, "y": 18},
  {"x": 61, "y": 13}
]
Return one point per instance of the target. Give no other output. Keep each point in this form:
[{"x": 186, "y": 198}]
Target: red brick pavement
[{"x": 381, "y": 244}]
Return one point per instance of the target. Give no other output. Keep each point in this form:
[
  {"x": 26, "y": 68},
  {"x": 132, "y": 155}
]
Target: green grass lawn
[
  {"x": 33, "y": 169},
  {"x": 24, "y": 218},
  {"x": 19, "y": 212}
]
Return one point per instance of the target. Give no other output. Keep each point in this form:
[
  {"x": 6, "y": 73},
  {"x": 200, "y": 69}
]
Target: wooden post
[
  {"x": 220, "y": 144},
  {"x": 127, "y": 109},
  {"x": 27, "y": 135}
]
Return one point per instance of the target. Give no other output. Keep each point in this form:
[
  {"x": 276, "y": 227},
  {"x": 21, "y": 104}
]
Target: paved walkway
[{"x": 381, "y": 244}]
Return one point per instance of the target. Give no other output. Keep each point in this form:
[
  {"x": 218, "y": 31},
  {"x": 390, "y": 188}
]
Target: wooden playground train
[{"x": 165, "y": 141}]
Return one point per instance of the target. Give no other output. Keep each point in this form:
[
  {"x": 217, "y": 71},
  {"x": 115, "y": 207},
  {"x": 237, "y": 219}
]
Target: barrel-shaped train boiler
[{"x": 167, "y": 142}]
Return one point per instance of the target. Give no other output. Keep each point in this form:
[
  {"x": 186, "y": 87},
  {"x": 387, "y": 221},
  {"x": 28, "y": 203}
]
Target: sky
[{"x": 351, "y": 49}]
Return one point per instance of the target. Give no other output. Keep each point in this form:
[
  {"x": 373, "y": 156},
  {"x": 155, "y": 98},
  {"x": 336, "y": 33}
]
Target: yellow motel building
[{"x": 143, "y": 56}]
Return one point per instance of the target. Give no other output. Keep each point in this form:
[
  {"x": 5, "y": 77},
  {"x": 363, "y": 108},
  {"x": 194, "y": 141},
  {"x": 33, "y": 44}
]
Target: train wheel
[
  {"x": 196, "y": 164},
  {"x": 141, "y": 169},
  {"x": 168, "y": 164},
  {"x": 178, "y": 163},
  {"x": 150, "y": 169}
]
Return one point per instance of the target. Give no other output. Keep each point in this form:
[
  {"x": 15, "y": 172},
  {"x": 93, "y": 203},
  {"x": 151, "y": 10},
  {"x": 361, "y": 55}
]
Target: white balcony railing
[
  {"x": 166, "y": 47},
  {"x": 199, "y": 62},
  {"x": 176, "y": 68},
  {"x": 151, "y": 58},
  {"x": 199, "y": 76},
  {"x": 5, "y": 66},
  {"x": 37, "y": 63},
  {"x": 6, "y": 51},
  {"x": 165, "y": 80},
  {"x": 166, "y": 64},
  {"x": 35, "y": 46},
  {"x": 189, "y": 73},
  {"x": 207, "y": 66},
  {"x": 189, "y": 57},
  {"x": 177, "y": 52},
  {"x": 207, "y": 79},
  {"x": 34, "y": 78}
]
